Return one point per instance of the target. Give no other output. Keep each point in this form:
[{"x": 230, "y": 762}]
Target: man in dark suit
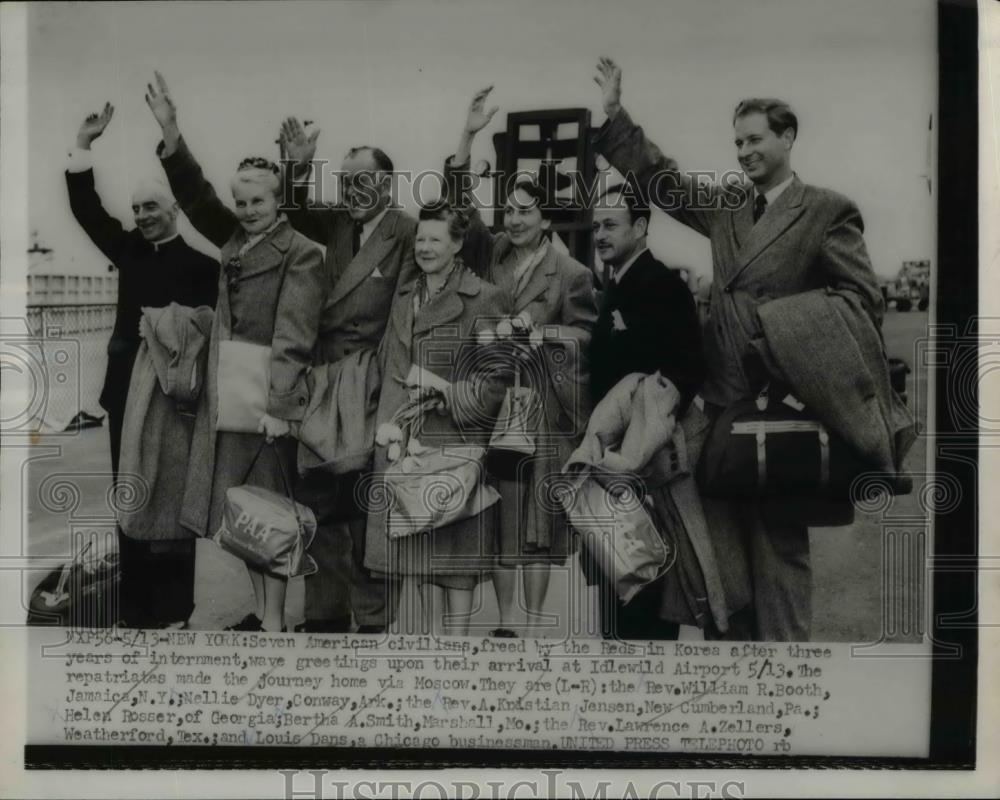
[
  {"x": 772, "y": 236},
  {"x": 369, "y": 252},
  {"x": 647, "y": 323},
  {"x": 156, "y": 267}
]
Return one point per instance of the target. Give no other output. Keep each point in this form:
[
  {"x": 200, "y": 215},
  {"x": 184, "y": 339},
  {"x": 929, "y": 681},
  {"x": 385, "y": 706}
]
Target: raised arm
[
  {"x": 626, "y": 147},
  {"x": 477, "y": 252},
  {"x": 194, "y": 194},
  {"x": 104, "y": 230},
  {"x": 298, "y": 150}
]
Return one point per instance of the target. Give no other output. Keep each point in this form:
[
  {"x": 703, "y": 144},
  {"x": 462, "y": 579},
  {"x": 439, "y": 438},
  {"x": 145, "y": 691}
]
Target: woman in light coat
[
  {"x": 556, "y": 293},
  {"x": 270, "y": 294},
  {"x": 432, "y": 325}
]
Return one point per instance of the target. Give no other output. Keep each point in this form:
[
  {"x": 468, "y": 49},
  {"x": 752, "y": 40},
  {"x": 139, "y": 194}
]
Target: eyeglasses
[
  {"x": 233, "y": 270},
  {"x": 258, "y": 162}
]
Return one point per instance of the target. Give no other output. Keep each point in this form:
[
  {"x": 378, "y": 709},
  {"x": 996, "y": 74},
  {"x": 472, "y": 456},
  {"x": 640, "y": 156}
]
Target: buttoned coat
[
  {"x": 809, "y": 238},
  {"x": 360, "y": 288},
  {"x": 148, "y": 275},
  {"x": 274, "y": 300},
  {"x": 439, "y": 338},
  {"x": 660, "y": 331},
  {"x": 559, "y": 296}
]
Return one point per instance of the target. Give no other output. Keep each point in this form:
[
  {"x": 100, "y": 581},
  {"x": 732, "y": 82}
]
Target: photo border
[{"x": 954, "y": 680}]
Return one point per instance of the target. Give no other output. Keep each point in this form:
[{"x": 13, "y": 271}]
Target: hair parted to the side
[
  {"x": 780, "y": 116},
  {"x": 443, "y": 211},
  {"x": 382, "y": 161},
  {"x": 637, "y": 206}
]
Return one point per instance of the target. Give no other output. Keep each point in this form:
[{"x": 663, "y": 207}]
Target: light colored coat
[
  {"x": 559, "y": 296},
  {"x": 630, "y": 435},
  {"x": 438, "y": 338},
  {"x": 275, "y": 301},
  {"x": 167, "y": 378}
]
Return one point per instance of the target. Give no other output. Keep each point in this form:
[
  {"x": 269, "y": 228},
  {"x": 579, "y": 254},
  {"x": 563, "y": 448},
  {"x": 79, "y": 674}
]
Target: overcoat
[
  {"x": 809, "y": 238},
  {"x": 559, "y": 296},
  {"x": 273, "y": 299},
  {"x": 168, "y": 376},
  {"x": 440, "y": 338}
]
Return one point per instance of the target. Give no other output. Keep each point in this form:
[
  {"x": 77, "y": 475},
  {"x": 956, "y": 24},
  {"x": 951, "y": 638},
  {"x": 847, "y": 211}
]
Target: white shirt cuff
[{"x": 79, "y": 160}]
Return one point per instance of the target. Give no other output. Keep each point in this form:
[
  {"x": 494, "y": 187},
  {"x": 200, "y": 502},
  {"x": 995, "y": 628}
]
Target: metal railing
[{"x": 69, "y": 345}]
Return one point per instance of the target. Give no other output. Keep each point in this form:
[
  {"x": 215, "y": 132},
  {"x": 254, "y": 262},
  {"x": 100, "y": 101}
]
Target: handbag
[
  {"x": 243, "y": 381},
  {"x": 513, "y": 438},
  {"x": 618, "y": 533},
  {"x": 438, "y": 487},
  {"x": 82, "y": 593},
  {"x": 267, "y": 529},
  {"x": 764, "y": 448}
]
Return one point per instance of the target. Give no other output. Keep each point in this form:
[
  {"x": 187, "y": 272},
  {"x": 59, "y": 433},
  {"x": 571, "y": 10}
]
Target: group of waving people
[{"x": 397, "y": 311}]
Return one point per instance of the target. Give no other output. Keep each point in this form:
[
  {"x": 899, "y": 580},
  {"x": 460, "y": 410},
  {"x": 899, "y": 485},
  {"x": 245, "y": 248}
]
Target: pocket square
[{"x": 376, "y": 273}]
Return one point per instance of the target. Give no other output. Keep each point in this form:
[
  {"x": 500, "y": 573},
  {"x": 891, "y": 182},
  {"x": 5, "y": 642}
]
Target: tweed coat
[
  {"x": 809, "y": 238},
  {"x": 275, "y": 301},
  {"x": 360, "y": 288},
  {"x": 439, "y": 338}
]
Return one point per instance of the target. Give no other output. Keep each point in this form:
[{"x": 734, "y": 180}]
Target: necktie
[
  {"x": 759, "y": 204},
  {"x": 356, "y": 238}
]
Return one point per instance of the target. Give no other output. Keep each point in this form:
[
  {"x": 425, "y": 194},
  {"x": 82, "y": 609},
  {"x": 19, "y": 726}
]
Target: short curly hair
[{"x": 443, "y": 211}]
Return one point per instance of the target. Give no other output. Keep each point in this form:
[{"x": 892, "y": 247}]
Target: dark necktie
[
  {"x": 759, "y": 204},
  {"x": 356, "y": 238}
]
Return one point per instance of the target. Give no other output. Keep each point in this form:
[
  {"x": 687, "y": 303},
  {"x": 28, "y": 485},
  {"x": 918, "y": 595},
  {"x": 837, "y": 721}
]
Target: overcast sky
[{"x": 861, "y": 75}]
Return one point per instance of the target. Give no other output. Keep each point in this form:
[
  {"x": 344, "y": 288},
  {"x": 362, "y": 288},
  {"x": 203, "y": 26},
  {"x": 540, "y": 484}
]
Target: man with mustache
[{"x": 647, "y": 323}]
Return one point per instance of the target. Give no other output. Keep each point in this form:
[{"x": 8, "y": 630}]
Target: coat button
[
  {"x": 728, "y": 290},
  {"x": 302, "y": 401}
]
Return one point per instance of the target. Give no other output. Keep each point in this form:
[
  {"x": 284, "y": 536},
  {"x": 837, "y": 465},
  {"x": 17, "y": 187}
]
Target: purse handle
[{"x": 284, "y": 480}]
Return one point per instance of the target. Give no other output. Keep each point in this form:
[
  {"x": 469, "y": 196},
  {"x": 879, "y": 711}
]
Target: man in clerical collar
[{"x": 156, "y": 267}]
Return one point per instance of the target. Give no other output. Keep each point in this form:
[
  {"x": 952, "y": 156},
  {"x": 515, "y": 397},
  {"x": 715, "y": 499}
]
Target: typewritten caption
[{"x": 200, "y": 688}]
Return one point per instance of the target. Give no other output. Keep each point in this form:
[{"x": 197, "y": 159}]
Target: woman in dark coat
[
  {"x": 555, "y": 293},
  {"x": 432, "y": 325},
  {"x": 270, "y": 293}
]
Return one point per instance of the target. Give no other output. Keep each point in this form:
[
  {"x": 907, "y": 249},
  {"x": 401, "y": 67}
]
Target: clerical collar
[{"x": 160, "y": 242}]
